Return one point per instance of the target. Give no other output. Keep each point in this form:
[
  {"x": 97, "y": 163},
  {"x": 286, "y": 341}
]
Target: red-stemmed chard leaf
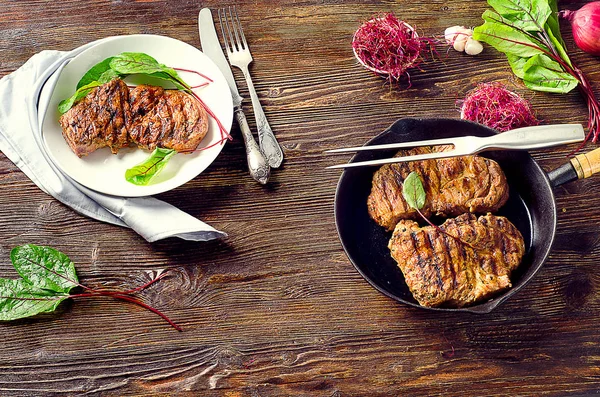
[
  {"x": 48, "y": 276},
  {"x": 527, "y": 31}
]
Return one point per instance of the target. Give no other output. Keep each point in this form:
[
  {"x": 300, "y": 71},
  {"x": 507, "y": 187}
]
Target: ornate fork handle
[
  {"x": 266, "y": 138},
  {"x": 257, "y": 164}
]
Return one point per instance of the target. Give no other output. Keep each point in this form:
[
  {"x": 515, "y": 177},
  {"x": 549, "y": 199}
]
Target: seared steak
[
  {"x": 98, "y": 120},
  {"x": 453, "y": 186},
  {"x": 113, "y": 115},
  {"x": 166, "y": 118},
  {"x": 444, "y": 271}
]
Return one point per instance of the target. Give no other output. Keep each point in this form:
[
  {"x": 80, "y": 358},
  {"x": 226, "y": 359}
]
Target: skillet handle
[
  {"x": 581, "y": 166},
  {"x": 586, "y": 164}
]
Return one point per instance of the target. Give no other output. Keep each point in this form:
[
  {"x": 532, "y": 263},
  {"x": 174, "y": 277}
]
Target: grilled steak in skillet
[
  {"x": 113, "y": 115},
  {"x": 453, "y": 186},
  {"x": 442, "y": 271}
]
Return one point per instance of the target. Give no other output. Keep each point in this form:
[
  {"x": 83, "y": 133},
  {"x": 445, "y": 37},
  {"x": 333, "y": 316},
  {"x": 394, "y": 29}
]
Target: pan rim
[{"x": 489, "y": 305}]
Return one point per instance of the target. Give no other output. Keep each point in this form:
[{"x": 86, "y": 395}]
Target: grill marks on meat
[
  {"x": 466, "y": 260},
  {"x": 453, "y": 186},
  {"x": 98, "y": 120},
  {"x": 115, "y": 116},
  {"x": 167, "y": 118},
  {"x": 443, "y": 271}
]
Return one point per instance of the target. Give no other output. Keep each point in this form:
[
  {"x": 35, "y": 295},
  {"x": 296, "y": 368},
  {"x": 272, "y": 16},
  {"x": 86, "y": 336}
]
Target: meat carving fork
[
  {"x": 535, "y": 137},
  {"x": 239, "y": 56}
]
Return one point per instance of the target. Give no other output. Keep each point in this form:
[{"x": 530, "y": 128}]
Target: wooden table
[{"x": 276, "y": 308}]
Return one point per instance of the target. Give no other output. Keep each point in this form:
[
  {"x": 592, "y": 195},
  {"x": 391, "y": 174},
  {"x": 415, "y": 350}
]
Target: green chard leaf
[
  {"x": 559, "y": 45},
  {"x": 100, "y": 72},
  {"x": 47, "y": 278},
  {"x": 121, "y": 66},
  {"x": 552, "y": 24},
  {"x": 180, "y": 84},
  {"x": 413, "y": 191},
  {"x": 170, "y": 71},
  {"x": 527, "y": 31},
  {"x": 541, "y": 73},
  {"x": 44, "y": 268},
  {"x": 143, "y": 173},
  {"x": 529, "y": 15},
  {"x": 81, "y": 92},
  {"x": 108, "y": 76},
  {"x": 516, "y": 63},
  {"x": 135, "y": 63},
  {"x": 506, "y": 39},
  {"x": 140, "y": 63},
  {"x": 19, "y": 299}
]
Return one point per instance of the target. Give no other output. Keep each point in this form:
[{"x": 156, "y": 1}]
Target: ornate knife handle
[
  {"x": 268, "y": 142},
  {"x": 257, "y": 164}
]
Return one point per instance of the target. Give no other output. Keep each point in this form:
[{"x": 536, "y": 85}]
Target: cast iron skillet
[{"x": 530, "y": 207}]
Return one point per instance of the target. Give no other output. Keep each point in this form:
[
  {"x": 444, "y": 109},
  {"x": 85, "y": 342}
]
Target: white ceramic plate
[{"x": 105, "y": 172}]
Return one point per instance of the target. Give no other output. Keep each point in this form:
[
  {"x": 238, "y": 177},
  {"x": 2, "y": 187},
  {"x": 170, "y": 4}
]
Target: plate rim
[{"x": 152, "y": 189}]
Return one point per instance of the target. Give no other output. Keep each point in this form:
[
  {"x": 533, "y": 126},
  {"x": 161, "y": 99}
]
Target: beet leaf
[
  {"x": 45, "y": 268},
  {"x": 143, "y": 173},
  {"x": 81, "y": 92},
  {"x": 533, "y": 47},
  {"x": 97, "y": 73},
  {"x": 19, "y": 299},
  {"x": 138, "y": 63},
  {"x": 528, "y": 32},
  {"x": 48, "y": 276},
  {"x": 413, "y": 191}
]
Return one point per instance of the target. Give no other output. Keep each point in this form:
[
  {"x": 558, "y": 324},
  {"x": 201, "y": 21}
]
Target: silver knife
[{"x": 257, "y": 164}]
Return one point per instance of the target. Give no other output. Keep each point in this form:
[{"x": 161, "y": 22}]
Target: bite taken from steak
[
  {"x": 169, "y": 119},
  {"x": 100, "y": 119},
  {"x": 453, "y": 186},
  {"x": 441, "y": 270}
]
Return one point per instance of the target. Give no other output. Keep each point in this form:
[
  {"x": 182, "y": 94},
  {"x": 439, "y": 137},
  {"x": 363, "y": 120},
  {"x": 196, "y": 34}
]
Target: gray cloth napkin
[{"x": 22, "y": 106}]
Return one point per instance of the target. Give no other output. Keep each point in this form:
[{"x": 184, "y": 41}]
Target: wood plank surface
[{"x": 276, "y": 308}]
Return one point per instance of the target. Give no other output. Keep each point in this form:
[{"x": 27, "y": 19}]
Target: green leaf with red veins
[
  {"x": 95, "y": 73},
  {"x": 143, "y": 173},
  {"x": 542, "y": 73},
  {"x": 44, "y": 267},
  {"x": 506, "y": 39},
  {"x": 530, "y": 15},
  {"x": 413, "y": 191},
  {"x": 81, "y": 92},
  {"x": 19, "y": 299}
]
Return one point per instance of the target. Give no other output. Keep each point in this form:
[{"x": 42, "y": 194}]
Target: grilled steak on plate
[
  {"x": 167, "y": 118},
  {"x": 444, "y": 271},
  {"x": 453, "y": 186},
  {"x": 98, "y": 120},
  {"x": 113, "y": 115}
]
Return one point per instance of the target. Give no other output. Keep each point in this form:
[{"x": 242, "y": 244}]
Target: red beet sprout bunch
[
  {"x": 491, "y": 104},
  {"x": 389, "y": 46}
]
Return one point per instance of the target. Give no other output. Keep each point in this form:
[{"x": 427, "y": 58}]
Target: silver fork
[{"x": 239, "y": 56}]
